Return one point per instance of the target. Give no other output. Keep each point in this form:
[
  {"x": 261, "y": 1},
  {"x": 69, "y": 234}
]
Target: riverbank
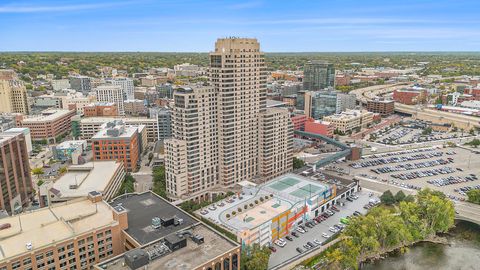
[
  {"x": 459, "y": 252},
  {"x": 434, "y": 239}
]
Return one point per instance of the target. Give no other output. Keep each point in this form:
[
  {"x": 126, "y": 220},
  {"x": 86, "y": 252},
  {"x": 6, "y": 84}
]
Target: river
[{"x": 462, "y": 253}]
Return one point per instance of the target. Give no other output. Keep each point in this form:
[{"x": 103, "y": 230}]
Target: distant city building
[
  {"x": 187, "y": 70},
  {"x": 80, "y": 83},
  {"x": 49, "y": 124},
  {"x": 164, "y": 118},
  {"x": 111, "y": 93},
  {"x": 69, "y": 150},
  {"x": 382, "y": 106},
  {"x": 318, "y": 75},
  {"x": 410, "y": 96},
  {"x": 127, "y": 87},
  {"x": 165, "y": 90},
  {"x": 47, "y": 101},
  {"x": 60, "y": 84},
  {"x": 135, "y": 107},
  {"x": 345, "y": 102},
  {"x": 319, "y": 127},
  {"x": 15, "y": 179},
  {"x": 298, "y": 121},
  {"x": 350, "y": 120},
  {"x": 319, "y": 104},
  {"x": 116, "y": 141},
  {"x": 100, "y": 109},
  {"x": 7, "y": 121},
  {"x": 13, "y": 94}
]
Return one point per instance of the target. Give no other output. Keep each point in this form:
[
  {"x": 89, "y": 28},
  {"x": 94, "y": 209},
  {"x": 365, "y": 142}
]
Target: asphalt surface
[{"x": 289, "y": 250}]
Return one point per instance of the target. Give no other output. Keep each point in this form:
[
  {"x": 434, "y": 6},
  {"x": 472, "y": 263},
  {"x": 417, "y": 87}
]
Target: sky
[{"x": 279, "y": 25}]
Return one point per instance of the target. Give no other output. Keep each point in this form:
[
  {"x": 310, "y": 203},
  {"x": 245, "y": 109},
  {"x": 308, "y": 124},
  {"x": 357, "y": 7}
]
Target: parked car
[
  {"x": 299, "y": 250},
  {"x": 289, "y": 238},
  {"x": 272, "y": 248}
]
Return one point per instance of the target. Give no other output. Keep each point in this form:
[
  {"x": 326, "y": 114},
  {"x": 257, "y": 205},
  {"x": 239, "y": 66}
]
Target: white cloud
[
  {"x": 246, "y": 5},
  {"x": 58, "y": 8}
]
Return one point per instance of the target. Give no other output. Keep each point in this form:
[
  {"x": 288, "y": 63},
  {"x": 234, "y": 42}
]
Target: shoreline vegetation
[{"x": 389, "y": 228}]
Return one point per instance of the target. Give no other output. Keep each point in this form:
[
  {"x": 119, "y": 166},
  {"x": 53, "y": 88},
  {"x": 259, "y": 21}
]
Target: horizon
[{"x": 193, "y": 26}]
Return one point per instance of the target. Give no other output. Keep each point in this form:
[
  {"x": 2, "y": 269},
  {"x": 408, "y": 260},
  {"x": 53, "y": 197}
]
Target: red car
[{"x": 273, "y": 249}]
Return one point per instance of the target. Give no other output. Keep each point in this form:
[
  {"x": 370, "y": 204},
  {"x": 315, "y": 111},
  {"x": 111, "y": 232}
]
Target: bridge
[{"x": 345, "y": 149}]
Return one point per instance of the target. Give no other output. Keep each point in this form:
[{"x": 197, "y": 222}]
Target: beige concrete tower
[
  {"x": 238, "y": 74},
  {"x": 13, "y": 94},
  {"x": 191, "y": 158}
]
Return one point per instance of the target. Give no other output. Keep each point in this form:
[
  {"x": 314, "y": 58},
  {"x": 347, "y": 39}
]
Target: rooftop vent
[
  {"x": 29, "y": 246},
  {"x": 156, "y": 223}
]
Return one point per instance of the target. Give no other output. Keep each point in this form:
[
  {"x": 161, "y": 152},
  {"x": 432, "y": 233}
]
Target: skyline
[{"x": 192, "y": 26}]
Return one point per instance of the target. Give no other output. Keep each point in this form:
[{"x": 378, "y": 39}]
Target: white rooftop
[{"x": 91, "y": 176}]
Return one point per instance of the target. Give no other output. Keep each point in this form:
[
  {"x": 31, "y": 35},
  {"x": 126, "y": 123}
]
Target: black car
[
  {"x": 289, "y": 238},
  {"x": 310, "y": 244},
  {"x": 299, "y": 250},
  {"x": 350, "y": 200},
  {"x": 295, "y": 234}
]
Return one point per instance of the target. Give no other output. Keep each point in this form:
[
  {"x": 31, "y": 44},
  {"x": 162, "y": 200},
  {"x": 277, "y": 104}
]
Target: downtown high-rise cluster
[{"x": 223, "y": 132}]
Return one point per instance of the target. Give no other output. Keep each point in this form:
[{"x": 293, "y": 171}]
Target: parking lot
[
  {"x": 289, "y": 251},
  {"x": 400, "y": 135},
  {"x": 450, "y": 170}
]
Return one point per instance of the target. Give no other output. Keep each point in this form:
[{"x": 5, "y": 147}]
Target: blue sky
[{"x": 280, "y": 26}]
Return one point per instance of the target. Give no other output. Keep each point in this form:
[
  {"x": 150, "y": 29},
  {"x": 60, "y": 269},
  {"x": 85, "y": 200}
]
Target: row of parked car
[
  {"x": 412, "y": 166},
  {"x": 463, "y": 190},
  {"x": 395, "y": 159},
  {"x": 426, "y": 173},
  {"x": 402, "y": 152},
  {"x": 451, "y": 180}
]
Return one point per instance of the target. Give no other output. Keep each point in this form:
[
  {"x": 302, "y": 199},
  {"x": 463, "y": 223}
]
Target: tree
[
  {"x": 474, "y": 196},
  {"x": 298, "y": 163},
  {"x": 62, "y": 170},
  {"x": 427, "y": 131},
  {"x": 472, "y": 131},
  {"x": 387, "y": 198},
  {"x": 37, "y": 172},
  {"x": 400, "y": 196},
  {"x": 127, "y": 185},
  {"x": 255, "y": 257}
]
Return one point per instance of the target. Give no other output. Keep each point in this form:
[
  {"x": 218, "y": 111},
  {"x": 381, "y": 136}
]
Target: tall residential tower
[{"x": 223, "y": 133}]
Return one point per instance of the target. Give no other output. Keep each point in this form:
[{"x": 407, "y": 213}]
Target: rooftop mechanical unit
[{"x": 136, "y": 258}]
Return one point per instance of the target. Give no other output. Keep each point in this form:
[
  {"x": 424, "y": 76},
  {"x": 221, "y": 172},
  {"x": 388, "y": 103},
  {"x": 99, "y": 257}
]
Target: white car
[
  {"x": 324, "y": 235},
  {"x": 333, "y": 230},
  {"x": 317, "y": 242},
  {"x": 280, "y": 243},
  {"x": 300, "y": 230}
]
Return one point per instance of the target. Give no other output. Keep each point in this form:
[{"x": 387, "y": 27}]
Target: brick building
[
  {"x": 382, "y": 106},
  {"x": 101, "y": 109},
  {"x": 49, "y": 124}
]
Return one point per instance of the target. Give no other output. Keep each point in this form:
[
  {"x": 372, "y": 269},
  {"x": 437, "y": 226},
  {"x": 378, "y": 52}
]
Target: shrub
[
  {"x": 234, "y": 213},
  {"x": 227, "y": 215},
  {"x": 256, "y": 201},
  {"x": 245, "y": 207}
]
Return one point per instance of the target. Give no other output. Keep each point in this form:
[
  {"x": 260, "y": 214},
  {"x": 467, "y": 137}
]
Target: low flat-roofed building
[
  {"x": 187, "y": 245},
  {"x": 270, "y": 211},
  {"x": 73, "y": 235},
  {"x": 86, "y": 128},
  {"x": 102, "y": 176},
  {"x": 69, "y": 150}
]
